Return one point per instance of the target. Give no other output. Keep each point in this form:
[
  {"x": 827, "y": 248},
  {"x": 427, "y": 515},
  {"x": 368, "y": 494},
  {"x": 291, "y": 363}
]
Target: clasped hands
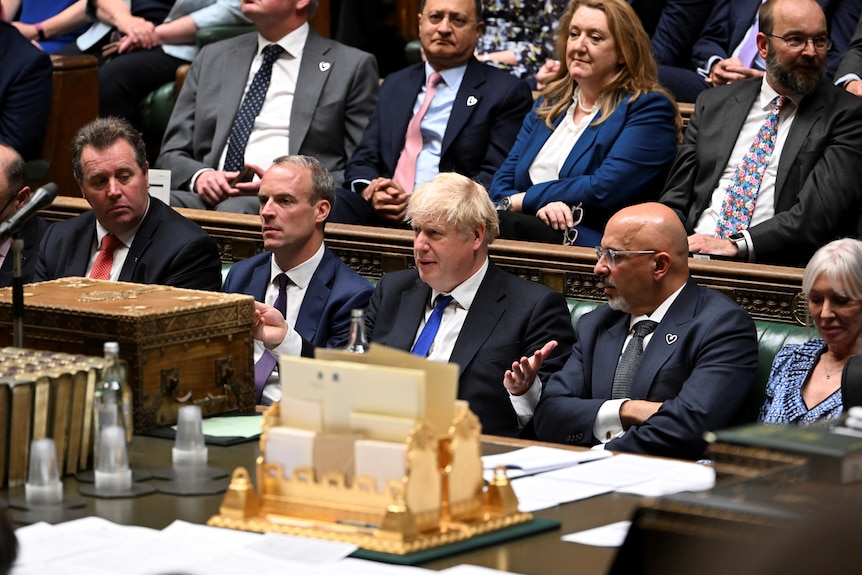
[
  {"x": 388, "y": 199},
  {"x": 214, "y": 186}
]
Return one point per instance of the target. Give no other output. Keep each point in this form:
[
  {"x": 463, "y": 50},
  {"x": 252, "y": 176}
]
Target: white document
[
  {"x": 160, "y": 184},
  {"x": 621, "y": 471},
  {"x": 536, "y": 459},
  {"x": 611, "y": 535},
  {"x": 541, "y": 492}
]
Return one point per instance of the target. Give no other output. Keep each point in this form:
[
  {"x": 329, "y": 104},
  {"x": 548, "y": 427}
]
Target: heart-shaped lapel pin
[
  {"x": 472, "y": 101},
  {"x": 324, "y": 66},
  {"x": 671, "y": 338}
]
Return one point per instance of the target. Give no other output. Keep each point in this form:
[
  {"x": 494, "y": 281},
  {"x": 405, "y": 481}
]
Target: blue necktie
[
  {"x": 250, "y": 108},
  {"x": 264, "y": 366},
  {"x": 429, "y": 332}
]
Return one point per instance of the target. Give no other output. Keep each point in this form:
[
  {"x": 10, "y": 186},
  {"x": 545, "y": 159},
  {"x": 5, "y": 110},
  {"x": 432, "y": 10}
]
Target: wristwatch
[
  {"x": 741, "y": 245},
  {"x": 505, "y": 204}
]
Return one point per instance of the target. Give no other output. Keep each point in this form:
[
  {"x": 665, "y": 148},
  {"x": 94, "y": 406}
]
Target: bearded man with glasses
[
  {"x": 769, "y": 168},
  {"x": 664, "y": 362}
]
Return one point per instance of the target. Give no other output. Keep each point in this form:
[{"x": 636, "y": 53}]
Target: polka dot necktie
[
  {"x": 250, "y": 108},
  {"x": 631, "y": 358},
  {"x": 738, "y": 206},
  {"x": 105, "y": 258}
]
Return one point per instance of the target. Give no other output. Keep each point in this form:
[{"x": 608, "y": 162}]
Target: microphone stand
[{"x": 17, "y": 292}]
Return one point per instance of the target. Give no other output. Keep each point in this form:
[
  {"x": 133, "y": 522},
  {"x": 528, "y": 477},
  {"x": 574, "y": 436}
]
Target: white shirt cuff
[
  {"x": 608, "y": 425},
  {"x": 525, "y": 404},
  {"x": 846, "y": 78},
  {"x": 195, "y": 177}
]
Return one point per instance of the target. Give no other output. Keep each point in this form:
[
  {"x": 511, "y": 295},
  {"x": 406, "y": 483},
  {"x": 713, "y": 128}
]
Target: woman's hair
[
  {"x": 637, "y": 75},
  {"x": 841, "y": 261}
]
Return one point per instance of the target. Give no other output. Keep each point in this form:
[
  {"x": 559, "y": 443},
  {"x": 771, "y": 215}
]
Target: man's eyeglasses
[
  {"x": 613, "y": 255},
  {"x": 456, "y": 20},
  {"x": 570, "y": 235},
  {"x": 794, "y": 42}
]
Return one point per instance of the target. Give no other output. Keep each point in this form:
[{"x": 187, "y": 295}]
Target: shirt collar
[
  {"x": 300, "y": 275},
  {"x": 293, "y": 43},
  {"x": 451, "y": 76},
  {"x": 128, "y": 237},
  {"x": 768, "y": 94},
  {"x": 465, "y": 292},
  {"x": 659, "y": 313}
]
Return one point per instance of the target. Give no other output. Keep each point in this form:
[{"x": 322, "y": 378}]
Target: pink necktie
[
  {"x": 405, "y": 171},
  {"x": 105, "y": 259}
]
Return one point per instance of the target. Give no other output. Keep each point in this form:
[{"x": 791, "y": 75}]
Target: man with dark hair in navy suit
[
  {"x": 296, "y": 195},
  {"x": 474, "y": 116}
]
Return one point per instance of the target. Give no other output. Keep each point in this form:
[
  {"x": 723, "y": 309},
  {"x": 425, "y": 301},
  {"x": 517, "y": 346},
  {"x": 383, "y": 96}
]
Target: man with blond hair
[{"x": 457, "y": 306}]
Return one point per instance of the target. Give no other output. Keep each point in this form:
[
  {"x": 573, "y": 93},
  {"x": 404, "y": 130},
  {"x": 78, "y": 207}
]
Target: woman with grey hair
[{"x": 805, "y": 382}]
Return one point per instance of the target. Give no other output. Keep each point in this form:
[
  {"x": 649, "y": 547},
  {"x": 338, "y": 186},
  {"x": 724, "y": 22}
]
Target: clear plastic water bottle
[
  {"x": 112, "y": 399},
  {"x": 358, "y": 342}
]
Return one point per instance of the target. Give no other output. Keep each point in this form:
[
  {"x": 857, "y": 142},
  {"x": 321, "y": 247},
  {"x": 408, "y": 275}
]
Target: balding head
[{"x": 640, "y": 282}]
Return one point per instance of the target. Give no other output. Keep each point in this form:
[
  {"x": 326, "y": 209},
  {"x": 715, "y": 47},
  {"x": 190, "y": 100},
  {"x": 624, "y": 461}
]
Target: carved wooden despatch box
[{"x": 183, "y": 346}]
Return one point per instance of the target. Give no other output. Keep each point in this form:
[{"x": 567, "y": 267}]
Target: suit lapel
[
  {"x": 314, "y": 70},
  {"x": 609, "y": 346},
  {"x": 664, "y": 341},
  {"x": 412, "y": 306},
  {"x": 488, "y": 308},
  {"x": 809, "y": 113},
  {"x": 260, "y": 278},
  {"x": 315, "y": 297},
  {"x": 401, "y": 112},
  {"x": 142, "y": 241},
  {"x": 469, "y": 97}
]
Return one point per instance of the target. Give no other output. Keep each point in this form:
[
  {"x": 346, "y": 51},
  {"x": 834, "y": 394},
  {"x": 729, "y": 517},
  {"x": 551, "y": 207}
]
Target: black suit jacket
[
  {"x": 485, "y": 119},
  {"x": 31, "y": 233},
  {"x": 817, "y": 192},
  {"x": 168, "y": 250},
  {"x": 509, "y": 318}
]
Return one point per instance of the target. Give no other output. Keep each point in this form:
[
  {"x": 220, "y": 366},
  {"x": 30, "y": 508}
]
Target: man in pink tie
[
  {"x": 770, "y": 166},
  {"x": 450, "y": 113},
  {"x": 149, "y": 242}
]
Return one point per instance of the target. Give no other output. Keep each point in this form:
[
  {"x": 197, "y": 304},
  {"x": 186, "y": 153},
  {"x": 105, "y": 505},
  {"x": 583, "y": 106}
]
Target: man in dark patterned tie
[
  {"x": 770, "y": 166},
  {"x": 664, "y": 362}
]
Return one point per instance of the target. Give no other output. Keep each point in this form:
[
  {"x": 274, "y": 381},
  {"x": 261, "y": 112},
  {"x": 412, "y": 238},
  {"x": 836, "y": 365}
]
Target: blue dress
[
  {"x": 790, "y": 370},
  {"x": 33, "y": 11}
]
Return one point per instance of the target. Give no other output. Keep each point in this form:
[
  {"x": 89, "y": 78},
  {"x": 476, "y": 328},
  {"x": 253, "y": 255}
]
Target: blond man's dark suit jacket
[
  {"x": 509, "y": 318},
  {"x": 817, "y": 189},
  {"x": 336, "y": 91}
]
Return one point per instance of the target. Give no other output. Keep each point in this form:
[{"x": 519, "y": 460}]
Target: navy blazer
[
  {"x": 167, "y": 250},
  {"x": 25, "y": 93},
  {"x": 31, "y": 233},
  {"x": 622, "y": 161},
  {"x": 324, "y": 317},
  {"x": 679, "y": 26},
  {"x": 701, "y": 363},
  {"x": 484, "y": 121},
  {"x": 817, "y": 192},
  {"x": 509, "y": 318}
]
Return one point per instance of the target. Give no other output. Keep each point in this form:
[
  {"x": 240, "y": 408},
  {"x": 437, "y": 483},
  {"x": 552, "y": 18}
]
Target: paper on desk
[
  {"x": 351, "y": 566},
  {"x": 624, "y": 470},
  {"x": 611, "y": 535},
  {"x": 683, "y": 476},
  {"x": 231, "y": 426},
  {"x": 536, "y": 459},
  {"x": 540, "y": 491}
]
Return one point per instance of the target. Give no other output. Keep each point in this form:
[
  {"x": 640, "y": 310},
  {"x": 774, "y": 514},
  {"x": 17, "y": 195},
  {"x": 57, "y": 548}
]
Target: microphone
[{"x": 42, "y": 198}]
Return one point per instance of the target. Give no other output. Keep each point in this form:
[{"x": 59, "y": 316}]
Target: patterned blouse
[
  {"x": 790, "y": 370},
  {"x": 524, "y": 26}
]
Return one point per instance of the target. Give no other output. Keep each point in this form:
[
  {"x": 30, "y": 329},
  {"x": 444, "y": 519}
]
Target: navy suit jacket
[
  {"x": 31, "y": 233},
  {"x": 817, "y": 192},
  {"x": 679, "y": 26},
  {"x": 622, "y": 161},
  {"x": 484, "y": 121},
  {"x": 731, "y": 19},
  {"x": 509, "y": 318},
  {"x": 701, "y": 363},
  {"x": 167, "y": 250},
  {"x": 25, "y": 93},
  {"x": 324, "y": 317}
]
